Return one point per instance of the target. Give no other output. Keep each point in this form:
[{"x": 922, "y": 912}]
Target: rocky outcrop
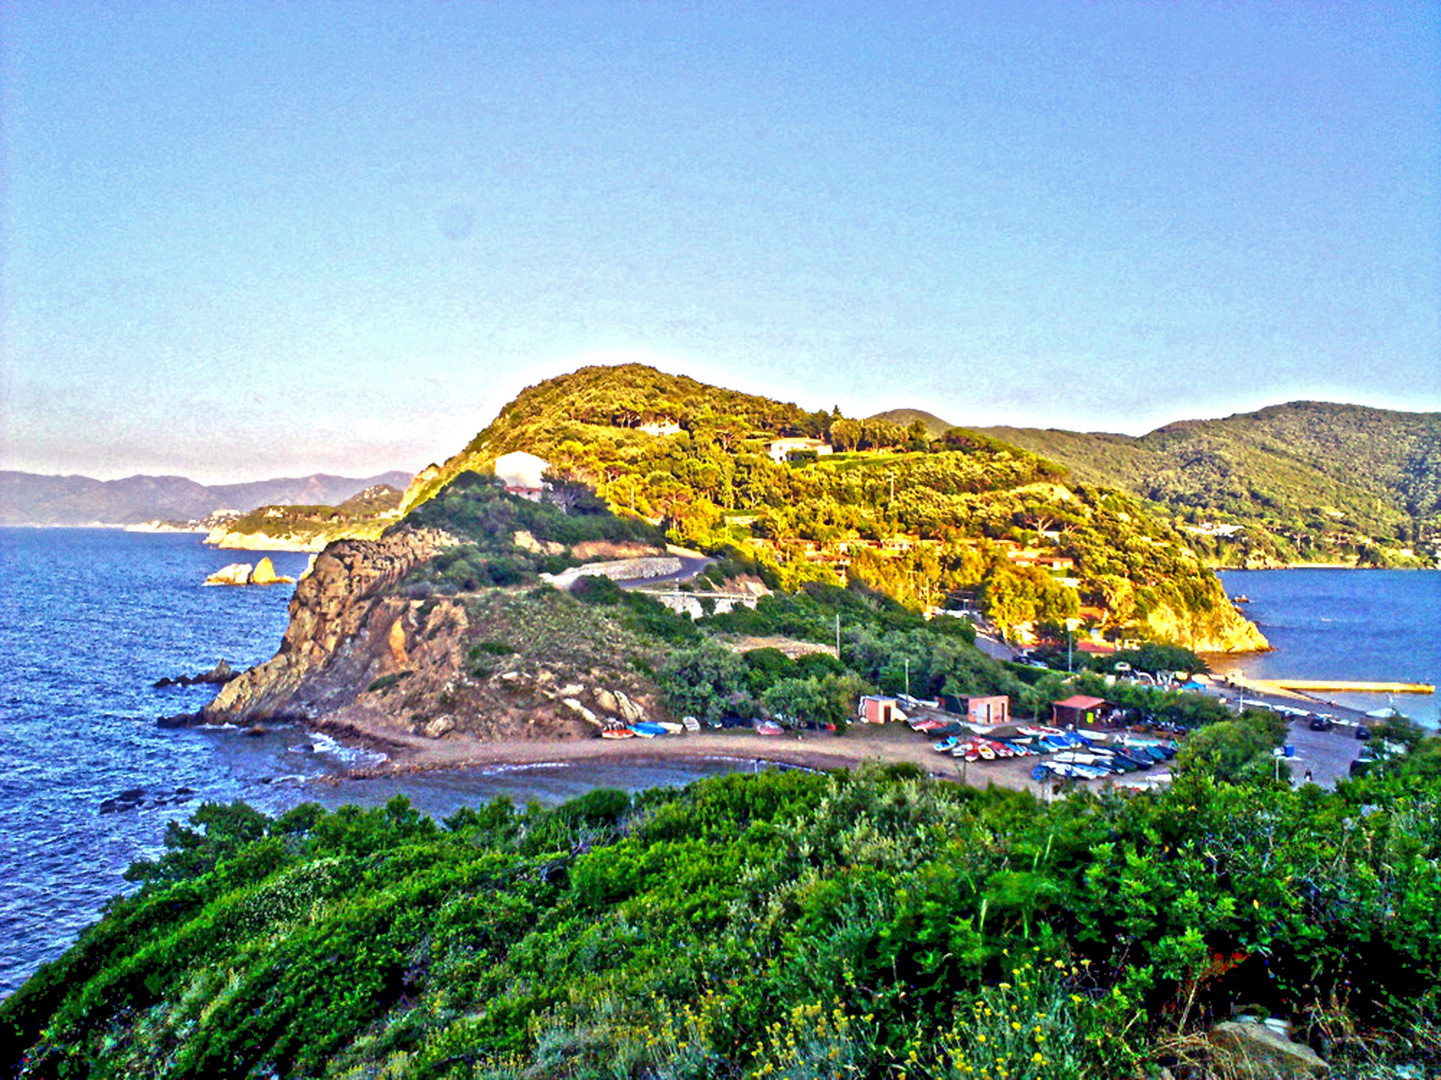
[
  {"x": 234, "y": 574},
  {"x": 219, "y": 675},
  {"x": 1222, "y": 629},
  {"x": 333, "y": 614},
  {"x": 262, "y": 573}
]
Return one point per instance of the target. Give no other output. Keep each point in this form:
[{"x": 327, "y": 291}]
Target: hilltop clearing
[{"x": 933, "y": 424}]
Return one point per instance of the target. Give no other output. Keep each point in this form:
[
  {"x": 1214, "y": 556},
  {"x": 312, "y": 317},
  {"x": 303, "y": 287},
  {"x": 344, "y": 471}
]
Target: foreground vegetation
[{"x": 872, "y": 924}]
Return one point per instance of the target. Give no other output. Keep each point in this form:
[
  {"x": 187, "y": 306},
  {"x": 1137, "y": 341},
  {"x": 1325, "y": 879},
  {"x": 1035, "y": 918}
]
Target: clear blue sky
[{"x": 260, "y": 238}]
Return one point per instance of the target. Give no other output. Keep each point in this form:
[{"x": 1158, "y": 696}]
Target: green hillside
[
  {"x": 961, "y": 516},
  {"x": 1309, "y": 480},
  {"x": 363, "y": 516},
  {"x": 811, "y": 926}
]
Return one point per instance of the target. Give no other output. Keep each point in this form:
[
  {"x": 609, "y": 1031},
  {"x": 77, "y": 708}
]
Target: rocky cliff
[
  {"x": 1221, "y": 630},
  {"x": 328, "y": 643},
  {"x": 365, "y": 656}
]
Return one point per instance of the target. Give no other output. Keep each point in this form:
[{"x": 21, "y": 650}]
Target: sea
[
  {"x": 90, "y": 620},
  {"x": 1357, "y": 625}
]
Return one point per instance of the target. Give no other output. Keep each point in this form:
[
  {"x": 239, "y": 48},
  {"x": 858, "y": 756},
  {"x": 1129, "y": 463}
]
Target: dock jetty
[{"x": 1336, "y": 686}]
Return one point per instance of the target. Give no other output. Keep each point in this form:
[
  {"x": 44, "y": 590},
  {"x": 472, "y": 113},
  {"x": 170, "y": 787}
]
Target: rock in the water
[
  {"x": 222, "y": 672},
  {"x": 180, "y": 720},
  {"x": 255, "y": 730},
  {"x": 243, "y": 573},
  {"x": 1254, "y": 1050},
  {"x": 234, "y": 574},
  {"x": 264, "y": 574},
  {"x": 219, "y": 675}
]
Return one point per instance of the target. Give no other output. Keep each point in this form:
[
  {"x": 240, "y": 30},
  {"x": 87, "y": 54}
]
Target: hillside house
[
  {"x": 661, "y": 427},
  {"x": 780, "y": 449},
  {"x": 522, "y": 474}
]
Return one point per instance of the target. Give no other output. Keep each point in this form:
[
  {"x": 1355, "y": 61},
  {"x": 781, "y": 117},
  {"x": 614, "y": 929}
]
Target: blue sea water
[
  {"x": 90, "y": 619},
  {"x": 1368, "y": 625}
]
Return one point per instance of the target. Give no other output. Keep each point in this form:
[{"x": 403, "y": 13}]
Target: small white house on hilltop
[
  {"x": 781, "y": 448},
  {"x": 661, "y": 427},
  {"x": 522, "y": 473}
]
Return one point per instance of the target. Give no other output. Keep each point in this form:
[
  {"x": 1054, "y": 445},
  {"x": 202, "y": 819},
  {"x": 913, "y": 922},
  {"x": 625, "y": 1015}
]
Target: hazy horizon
[
  {"x": 219, "y": 477},
  {"x": 264, "y": 240}
]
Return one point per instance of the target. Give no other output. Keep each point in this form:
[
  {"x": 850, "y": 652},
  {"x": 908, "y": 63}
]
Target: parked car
[
  {"x": 1320, "y": 723},
  {"x": 1362, "y": 732}
]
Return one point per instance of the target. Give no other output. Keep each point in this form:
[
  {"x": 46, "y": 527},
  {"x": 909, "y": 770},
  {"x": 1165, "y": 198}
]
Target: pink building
[
  {"x": 877, "y": 710},
  {"x": 994, "y": 709}
]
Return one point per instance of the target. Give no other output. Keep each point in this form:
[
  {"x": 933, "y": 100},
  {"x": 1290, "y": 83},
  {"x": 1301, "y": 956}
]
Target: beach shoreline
[{"x": 893, "y": 744}]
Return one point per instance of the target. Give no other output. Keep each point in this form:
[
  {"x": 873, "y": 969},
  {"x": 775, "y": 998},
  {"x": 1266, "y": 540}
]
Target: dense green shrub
[{"x": 777, "y": 924}]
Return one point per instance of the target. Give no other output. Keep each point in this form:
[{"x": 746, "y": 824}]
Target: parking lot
[{"x": 1327, "y": 754}]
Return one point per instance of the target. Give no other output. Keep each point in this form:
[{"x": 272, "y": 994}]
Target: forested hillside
[
  {"x": 957, "y": 519},
  {"x": 1308, "y": 480}
]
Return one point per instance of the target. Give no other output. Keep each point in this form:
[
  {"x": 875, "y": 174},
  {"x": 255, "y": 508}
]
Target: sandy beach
[{"x": 891, "y": 744}]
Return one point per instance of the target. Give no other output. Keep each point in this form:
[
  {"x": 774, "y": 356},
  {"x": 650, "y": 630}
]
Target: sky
[{"x": 255, "y": 239}]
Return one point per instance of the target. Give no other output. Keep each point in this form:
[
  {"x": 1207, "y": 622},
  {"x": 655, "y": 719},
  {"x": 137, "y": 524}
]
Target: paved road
[{"x": 690, "y": 566}]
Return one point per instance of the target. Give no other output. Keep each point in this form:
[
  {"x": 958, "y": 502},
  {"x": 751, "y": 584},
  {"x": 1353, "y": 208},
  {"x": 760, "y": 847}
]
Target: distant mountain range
[
  {"x": 1309, "y": 479},
  {"x": 35, "y": 499}
]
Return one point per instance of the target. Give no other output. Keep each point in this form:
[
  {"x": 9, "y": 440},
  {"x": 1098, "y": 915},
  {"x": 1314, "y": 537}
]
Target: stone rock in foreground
[{"x": 1253, "y": 1050}]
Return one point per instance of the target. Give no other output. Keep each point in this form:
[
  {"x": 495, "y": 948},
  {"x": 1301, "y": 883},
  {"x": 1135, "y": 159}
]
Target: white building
[
  {"x": 780, "y": 448},
  {"x": 522, "y": 473}
]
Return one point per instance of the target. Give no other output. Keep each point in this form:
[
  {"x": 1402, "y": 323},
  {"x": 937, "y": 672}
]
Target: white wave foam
[{"x": 351, "y": 755}]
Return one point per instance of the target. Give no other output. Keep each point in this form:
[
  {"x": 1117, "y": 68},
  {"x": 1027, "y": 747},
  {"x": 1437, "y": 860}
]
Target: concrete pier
[{"x": 1338, "y": 686}]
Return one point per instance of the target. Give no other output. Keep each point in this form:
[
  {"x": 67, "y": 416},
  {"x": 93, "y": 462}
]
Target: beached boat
[
  {"x": 767, "y": 727},
  {"x": 647, "y": 730},
  {"x": 946, "y": 745},
  {"x": 617, "y": 733}
]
